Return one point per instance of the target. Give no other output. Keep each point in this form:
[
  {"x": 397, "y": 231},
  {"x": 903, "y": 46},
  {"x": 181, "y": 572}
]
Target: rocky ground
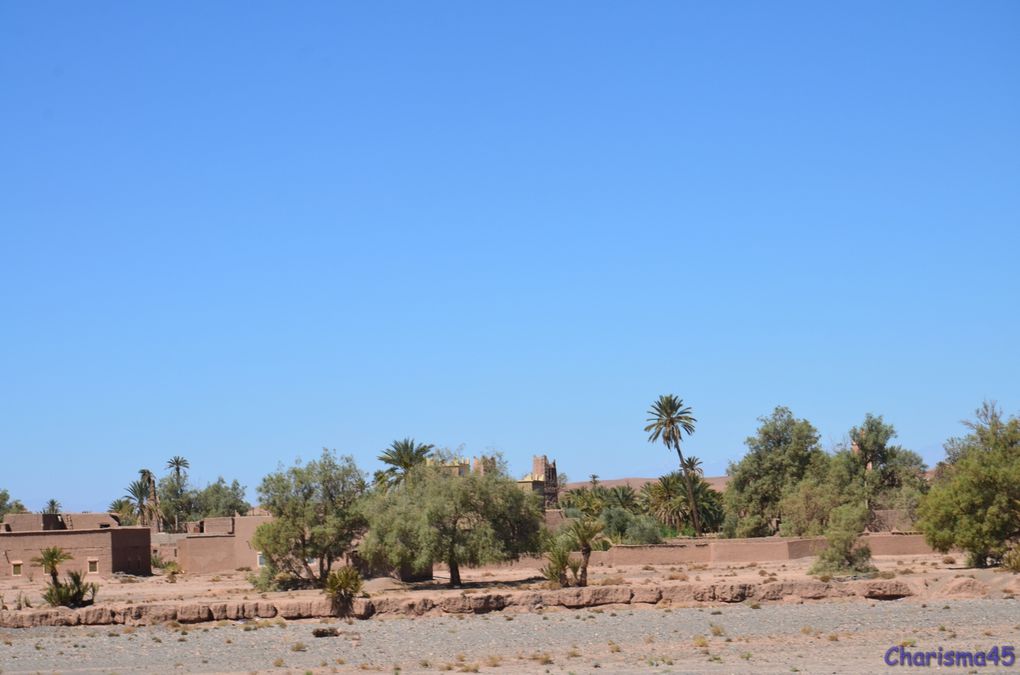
[{"x": 813, "y": 637}]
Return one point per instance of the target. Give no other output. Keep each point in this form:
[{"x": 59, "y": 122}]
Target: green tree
[
  {"x": 217, "y": 500},
  {"x": 52, "y": 507},
  {"x": 50, "y": 559},
  {"x": 843, "y": 553},
  {"x": 585, "y": 534},
  {"x": 401, "y": 457},
  {"x": 459, "y": 520},
  {"x": 777, "y": 458},
  {"x": 7, "y": 505},
  {"x": 974, "y": 503},
  {"x": 178, "y": 465},
  {"x": 315, "y": 516},
  {"x": 669, "y": 419}
]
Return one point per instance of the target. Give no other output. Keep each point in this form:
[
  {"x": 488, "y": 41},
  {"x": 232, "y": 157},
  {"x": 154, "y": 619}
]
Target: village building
[{"x": 96, "y": 542}]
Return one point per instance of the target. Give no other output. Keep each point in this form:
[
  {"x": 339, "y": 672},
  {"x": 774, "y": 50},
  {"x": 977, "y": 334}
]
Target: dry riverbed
[{"x": 844, "y": 636}]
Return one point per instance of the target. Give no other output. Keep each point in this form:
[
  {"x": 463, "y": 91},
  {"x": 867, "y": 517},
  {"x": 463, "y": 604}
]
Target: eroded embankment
[{"x": 417, "y": 604}]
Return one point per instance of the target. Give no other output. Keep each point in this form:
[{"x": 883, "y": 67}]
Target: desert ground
[{"x": 951, "y": 607}]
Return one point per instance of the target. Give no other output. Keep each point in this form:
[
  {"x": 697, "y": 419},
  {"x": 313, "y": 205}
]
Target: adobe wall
[
  {"x": 130, "y": 550},
  {"x": 749, "y": 550},
  {"x": 897, "y": 544},
  {"x": 657, "y": 554},
  {"x": 114, "y": 550},
  {"x": 31, "y": 522},
  {"x": 211, "y": 553},
  {"x": 89, "y": 521}
]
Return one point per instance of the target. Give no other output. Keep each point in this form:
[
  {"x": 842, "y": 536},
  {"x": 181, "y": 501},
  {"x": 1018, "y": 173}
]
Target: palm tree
[
  {"x": 49, "y": 559},
  {"x": 177, "y": 464},
  {"x": 669, "y": 420},
  {"x": 138, "y": 496},
  {"x": 622, "y": 497},
  {"x": 401, "y": 456},
  {"x": 692, "y": 465},
  {"x": 666, "y": 500},
  {"x": 52, "y": 506},
  {"x": 585, "y": 534}
]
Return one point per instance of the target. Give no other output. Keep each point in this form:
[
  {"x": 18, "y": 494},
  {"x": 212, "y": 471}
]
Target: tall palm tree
[
  {"x": 177, "y": 464},
  {"x": 52, "y": 506},
  {"x": 401, "y": 456},
  {"x": 50, "y": 558},
  {"x": 669, "y": 419}
]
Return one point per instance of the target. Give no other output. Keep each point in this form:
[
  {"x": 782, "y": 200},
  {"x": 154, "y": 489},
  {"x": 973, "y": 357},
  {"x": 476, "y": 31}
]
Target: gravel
[{"x": 812, "y": 637}]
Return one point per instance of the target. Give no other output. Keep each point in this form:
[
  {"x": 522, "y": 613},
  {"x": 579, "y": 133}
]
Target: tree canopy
[
  {"x": 434, "y": 516},
  {"x": 778, "y": 457},
  {"x": 974, "y": 503},
  {"x": 316, "y": 518}
]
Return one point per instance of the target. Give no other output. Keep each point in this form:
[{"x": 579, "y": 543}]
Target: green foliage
[
  {"x": 52, "y": 507},
  {"x": 668, "y": 501},
  {"x": 584, "y": 535},
  {"x": 843, "y": 554},
  {"x": 669, "y": 419},
  {"x": 75, "y": 592},
  {"x": 560, "y": 561},
  {"x": 7, "y": 505},
  {"x": 401, "y": 457},
  {"x": 778, "y": 457},
  {"x": 974, "y": 503},
  {"x": 460, "y": 520},
  {"x": 615, "y": 522},
  {"x": 50, "y": 559},
  {"x": 315, "y": 516},
  {"x": 643, "y": 530},
  {"x": 342, "y": 586},
  {"x": 1011, "y": 559}
]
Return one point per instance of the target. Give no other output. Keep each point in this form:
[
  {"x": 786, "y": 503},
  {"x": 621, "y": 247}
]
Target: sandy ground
[{"x": 956, "y": 609}]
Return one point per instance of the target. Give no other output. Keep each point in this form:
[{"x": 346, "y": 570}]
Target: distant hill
[{"x": 717, "y": 482}]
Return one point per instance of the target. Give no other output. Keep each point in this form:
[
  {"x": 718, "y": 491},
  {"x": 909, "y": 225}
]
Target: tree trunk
[
  {"x": 582, "y": 580},
  {"x": 690, "y": 493},
  {"x": 454, "y": 573}
]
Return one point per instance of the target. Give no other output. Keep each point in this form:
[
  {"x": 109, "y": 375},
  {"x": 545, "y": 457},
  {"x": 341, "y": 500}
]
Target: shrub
[
  {"x": 1011, "y": 560},
  {"x": 342, "y": 586},
  {"x": 643, "y": 530},
  {"x": 843, "y": 554},
  {"x": 75, "y": 592}
]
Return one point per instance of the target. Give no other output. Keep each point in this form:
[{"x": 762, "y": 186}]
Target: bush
[
  {"x": 1011, "y": 560},
  {"x": 842, "y": 553},
  {"x": 560, "y": 562},
  {"x": 342, "y": 586},
  {"x": 616, "y": 522},
  {"x": 643, "y": 530},
  {"x": 75, "y": 592}
]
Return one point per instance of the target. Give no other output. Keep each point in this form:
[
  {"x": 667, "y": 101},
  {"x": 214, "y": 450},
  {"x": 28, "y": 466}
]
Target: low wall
[{"x": 763, "y": 549}]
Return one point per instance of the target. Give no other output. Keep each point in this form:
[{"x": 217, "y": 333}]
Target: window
[
  {"x": 16, "y": 568},
  {"x": 93, "y": 566}
]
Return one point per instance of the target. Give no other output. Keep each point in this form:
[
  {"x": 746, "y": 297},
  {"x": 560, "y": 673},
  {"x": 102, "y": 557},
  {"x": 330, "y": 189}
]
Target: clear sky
[{"x": 242, "y": 231}]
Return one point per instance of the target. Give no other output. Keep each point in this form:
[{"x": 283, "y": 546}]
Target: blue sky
[{"x": 239, "y": 232}]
